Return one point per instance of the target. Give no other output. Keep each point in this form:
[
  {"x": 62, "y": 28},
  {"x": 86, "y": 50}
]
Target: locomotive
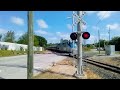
[{"x": 67, "y": 46}]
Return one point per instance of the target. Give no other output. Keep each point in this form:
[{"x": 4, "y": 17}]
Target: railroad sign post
[
  {"x": 30, "y": 46},
  {"x": 79, "y": 39},
  {"x": 78, "y": 36}
]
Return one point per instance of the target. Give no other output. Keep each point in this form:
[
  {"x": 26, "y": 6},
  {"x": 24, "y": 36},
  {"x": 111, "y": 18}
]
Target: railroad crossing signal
[
  {"x": 85, "y": 35},
  {"x": 73, "y": 36}
]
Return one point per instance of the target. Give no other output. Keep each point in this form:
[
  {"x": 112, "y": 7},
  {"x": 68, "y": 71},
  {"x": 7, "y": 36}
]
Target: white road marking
[{"x": 0, "y": 71}]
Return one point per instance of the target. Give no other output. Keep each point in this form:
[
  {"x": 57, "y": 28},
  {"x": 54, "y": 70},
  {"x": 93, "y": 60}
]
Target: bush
[
  {"x": 6, "y": 53},
  {"x": 86, "y": 49},
  {"x": 11, "y": 52}
]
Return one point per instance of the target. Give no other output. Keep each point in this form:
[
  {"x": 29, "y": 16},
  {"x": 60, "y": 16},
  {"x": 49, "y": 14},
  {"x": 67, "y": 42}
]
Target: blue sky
[{"x": 54, "y": 25}]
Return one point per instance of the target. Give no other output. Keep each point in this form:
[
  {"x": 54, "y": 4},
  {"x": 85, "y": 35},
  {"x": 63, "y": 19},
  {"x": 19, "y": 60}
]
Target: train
[{"x": 66, "y": 46}]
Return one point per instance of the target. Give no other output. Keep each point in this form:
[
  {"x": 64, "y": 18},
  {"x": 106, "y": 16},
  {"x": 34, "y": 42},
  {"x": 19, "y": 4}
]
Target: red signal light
[{"x": 86, "y": 35}]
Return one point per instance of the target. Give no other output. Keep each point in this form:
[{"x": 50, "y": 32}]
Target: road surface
[{"x": 15, "y": 67}]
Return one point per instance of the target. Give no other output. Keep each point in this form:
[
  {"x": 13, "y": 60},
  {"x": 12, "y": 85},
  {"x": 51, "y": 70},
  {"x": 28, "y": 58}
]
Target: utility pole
[
  {"x": 95, "y": 43},
  {"x": 30, "y": 46},
  {"x": 99, "y": 40},
  {"x": 79, "y": 38},
  {"x": 109, "y": 34}
]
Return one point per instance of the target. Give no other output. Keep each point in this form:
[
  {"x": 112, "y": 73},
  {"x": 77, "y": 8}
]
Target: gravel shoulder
[
  {"x": 65, "y": 69},
  {"x": 112, "y": 60},
  {"x": 105, "y": 74}
]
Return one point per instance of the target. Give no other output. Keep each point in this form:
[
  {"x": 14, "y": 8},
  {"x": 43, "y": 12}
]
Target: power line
[
  {"x": 101, "y": 18},
  {"x": 98, "y": 29}
]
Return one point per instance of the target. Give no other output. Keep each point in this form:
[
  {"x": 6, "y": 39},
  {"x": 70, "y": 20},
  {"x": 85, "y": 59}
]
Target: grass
[
  {"x": 91, "y": 75},
  {"x": 86, "y": 49},
  {"x": 117, "y": 52},
  {"x": 5, "y": 53},
  {"x": 108, "y": 60},
  {"x": 50, "y": 75}
]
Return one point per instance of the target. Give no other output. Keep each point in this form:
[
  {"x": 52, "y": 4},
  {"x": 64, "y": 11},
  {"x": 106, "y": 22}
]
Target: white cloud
[
  {"x": 42, "y": 23},
  {"x": 92, "y": 39},
  {"x": 3, "y": 31},
  {"x": 17, "y": 20},
  {"x": 18, "y": 34},
  {"x": 41, "y": 32},
  {"x": 104, "y": 34},
  {"x": 69, "y": 26},
  {"x": 114, "y": 26},
  {"x": 63, "y": 35},
  {"x": 84, "y": 27},
  {"x": 91, "y": 12},
  {"x": 95, "y": 28},
  {"x": 53, "y": 40},
  {"x": 105, "y": 14}
]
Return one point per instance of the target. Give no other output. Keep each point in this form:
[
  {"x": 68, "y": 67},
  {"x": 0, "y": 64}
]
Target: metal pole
[
  {"x": 79, "y": 29},
  {"x": 72, "y": 21},
  {"x": 73, "y": 27},
  {"x": 99, "y": 40},
  {"x": 30, "y": 46},
  {"x": 104, "y": 43},
  {"x": 109, "y": 34}
]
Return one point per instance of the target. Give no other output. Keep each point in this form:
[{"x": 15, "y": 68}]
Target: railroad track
[{"x": 103, "y": 65}]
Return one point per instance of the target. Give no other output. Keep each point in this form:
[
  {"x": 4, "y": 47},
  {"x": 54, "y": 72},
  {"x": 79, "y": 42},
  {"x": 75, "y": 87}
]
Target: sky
[{"x": 55, "y": 25}]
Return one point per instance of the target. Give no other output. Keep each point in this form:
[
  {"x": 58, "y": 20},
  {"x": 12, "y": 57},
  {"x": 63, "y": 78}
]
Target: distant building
[{"x": 18, "y": 47}]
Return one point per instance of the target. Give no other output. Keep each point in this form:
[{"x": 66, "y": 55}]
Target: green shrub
[
  {"x": 86, "y": 49},
  {"x": 11, "y": 53}
]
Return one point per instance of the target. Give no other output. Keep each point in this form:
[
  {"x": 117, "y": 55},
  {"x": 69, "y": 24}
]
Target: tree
[
  {"x": 102, "y": 43},
  {"x": 38, "y": 40},
  {"x": 42, "y": 41},
  {"x": 9, "y": 37},
  {"x": 90, "y": 46},
  {"x": 23, "y": 39},
  {"x": 115, "y": 41},
  {"x": 0, "y": 37}
]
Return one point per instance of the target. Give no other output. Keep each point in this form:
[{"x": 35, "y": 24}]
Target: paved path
[{"x": 15, "y": 67}]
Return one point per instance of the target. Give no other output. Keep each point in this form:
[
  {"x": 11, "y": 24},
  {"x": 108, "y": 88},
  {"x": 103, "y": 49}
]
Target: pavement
[{"x": 15, "y": 67}]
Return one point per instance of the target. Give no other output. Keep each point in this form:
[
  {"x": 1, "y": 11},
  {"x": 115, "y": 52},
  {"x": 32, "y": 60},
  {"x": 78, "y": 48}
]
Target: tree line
[
  {"x": 114, "y": 41},
  {"x": 10, "y": 37}
]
